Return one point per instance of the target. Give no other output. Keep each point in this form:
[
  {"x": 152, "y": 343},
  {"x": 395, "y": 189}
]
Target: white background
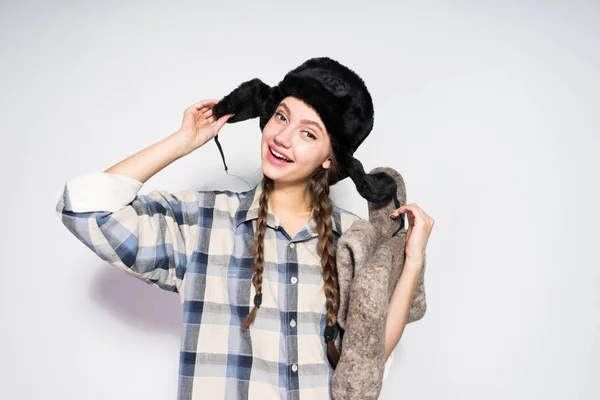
[{"x": 488, "y": 109}]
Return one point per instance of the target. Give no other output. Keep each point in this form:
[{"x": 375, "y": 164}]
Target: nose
[{"x": 284, "y": 137}]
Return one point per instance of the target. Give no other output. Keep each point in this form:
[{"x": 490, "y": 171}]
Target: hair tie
[
  {"x": 328, "y": 333},
  {"x": 257, "y": 299}
]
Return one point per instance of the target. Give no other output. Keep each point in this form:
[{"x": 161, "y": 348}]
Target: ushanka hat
[{"x": 341, "y": 99}]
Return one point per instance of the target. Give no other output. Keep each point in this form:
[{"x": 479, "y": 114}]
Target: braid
[
  {"x": 258, "y": 249},
  {"x": 322, "y": 211}
]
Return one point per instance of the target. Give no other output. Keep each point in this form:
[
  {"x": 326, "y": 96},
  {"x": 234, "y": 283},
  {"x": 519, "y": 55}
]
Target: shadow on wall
[{"x": 136, "y": 303}]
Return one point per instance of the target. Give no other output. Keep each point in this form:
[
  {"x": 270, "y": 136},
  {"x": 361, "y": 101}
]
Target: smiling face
[{"x": 296, "y": 132}]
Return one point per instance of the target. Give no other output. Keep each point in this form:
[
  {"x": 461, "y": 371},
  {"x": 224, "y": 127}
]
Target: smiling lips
[{"x": 279, "y": 156}]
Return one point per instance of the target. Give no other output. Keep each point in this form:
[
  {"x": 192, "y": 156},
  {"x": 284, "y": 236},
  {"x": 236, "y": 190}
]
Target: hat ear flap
[
  {"x": 377, "y": 187},
  {"x": 246, "y": 101}
]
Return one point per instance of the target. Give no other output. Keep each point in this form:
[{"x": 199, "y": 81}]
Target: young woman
[{"x": 255, "y": 270}]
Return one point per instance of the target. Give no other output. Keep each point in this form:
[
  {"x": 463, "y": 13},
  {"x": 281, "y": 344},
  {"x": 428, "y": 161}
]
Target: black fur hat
[{"x": 341, "y": 99}]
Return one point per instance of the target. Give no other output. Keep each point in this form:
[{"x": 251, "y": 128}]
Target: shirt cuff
[
  {"x": 388, "y": 364},
  {"x": 102, "y": 191}
]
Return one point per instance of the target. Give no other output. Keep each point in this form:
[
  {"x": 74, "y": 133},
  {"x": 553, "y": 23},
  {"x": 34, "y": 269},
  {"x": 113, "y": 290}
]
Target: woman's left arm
[
  {"x": 400, "y": 302},
  {"x": 417, "y": 235}
]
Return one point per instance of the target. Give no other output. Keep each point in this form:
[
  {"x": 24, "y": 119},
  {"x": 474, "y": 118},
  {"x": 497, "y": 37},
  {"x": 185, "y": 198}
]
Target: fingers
[
  {"x": 203, "y": 103},
  {"x": 203, "y": 114},
  {"x": 221, "y": 121},
  {"x": 201, "y": 107},
  {"x": 413, "y": 212}
]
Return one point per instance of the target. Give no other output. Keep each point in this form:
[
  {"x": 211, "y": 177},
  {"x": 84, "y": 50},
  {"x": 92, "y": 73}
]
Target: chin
[
  {"x": 271, "y": 171},
  {"x": 276, "y": 173}
]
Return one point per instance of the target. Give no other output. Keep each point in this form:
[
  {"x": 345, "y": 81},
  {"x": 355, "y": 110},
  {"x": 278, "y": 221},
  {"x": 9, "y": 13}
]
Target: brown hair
[{"x": 322, "y": 209}]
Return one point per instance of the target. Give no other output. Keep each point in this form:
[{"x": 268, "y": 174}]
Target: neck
[{"x": 292, "y": 199}]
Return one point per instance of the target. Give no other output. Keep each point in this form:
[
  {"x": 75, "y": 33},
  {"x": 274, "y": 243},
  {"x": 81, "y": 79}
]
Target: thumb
[{"x": 221, "y": 121}]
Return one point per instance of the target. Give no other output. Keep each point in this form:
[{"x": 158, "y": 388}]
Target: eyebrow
[{"x": 304, "y": 121}]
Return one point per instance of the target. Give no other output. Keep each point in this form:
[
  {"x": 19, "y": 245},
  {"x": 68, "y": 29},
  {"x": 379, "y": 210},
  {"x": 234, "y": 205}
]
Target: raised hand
[{"x": 199, "y": 125}]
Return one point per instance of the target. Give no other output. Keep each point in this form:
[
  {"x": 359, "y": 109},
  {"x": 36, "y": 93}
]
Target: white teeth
[{"x": 278, "y": 155}]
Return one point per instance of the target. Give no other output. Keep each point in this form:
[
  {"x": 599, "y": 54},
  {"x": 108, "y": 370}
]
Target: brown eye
[
  {"x": 311, "y": 135},
  {"x": 278, "y": 113}
]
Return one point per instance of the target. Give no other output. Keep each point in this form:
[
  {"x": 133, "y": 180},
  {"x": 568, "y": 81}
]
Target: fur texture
[
  {"x": 341, "y": 99},
  {"x": 370, "y": 259}
]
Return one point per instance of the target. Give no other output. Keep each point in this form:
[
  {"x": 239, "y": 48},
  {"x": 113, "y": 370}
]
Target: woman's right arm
[{"x": 149, "y": 236}]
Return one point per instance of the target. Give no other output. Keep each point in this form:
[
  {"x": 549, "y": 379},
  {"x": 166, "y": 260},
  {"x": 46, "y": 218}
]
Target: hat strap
[{"x": 221, "y": 151}]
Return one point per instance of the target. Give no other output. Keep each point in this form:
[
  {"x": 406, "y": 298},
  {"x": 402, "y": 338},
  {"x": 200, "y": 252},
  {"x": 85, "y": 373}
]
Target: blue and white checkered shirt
[{"x": 198, "y": 244}]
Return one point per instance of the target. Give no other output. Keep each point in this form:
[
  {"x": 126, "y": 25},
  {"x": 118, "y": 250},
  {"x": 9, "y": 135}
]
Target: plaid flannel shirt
[{"x": 198, "y": 244}]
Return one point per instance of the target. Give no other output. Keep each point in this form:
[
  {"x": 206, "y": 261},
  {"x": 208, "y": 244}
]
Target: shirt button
[
  {"x": 292, "y": 323},
  {"x": 294, "y": 367},
  {"x": 292, "y": 245},
  {"x": 294, "y": 279}
]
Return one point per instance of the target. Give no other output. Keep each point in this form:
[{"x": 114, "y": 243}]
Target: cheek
[
  {"x": 308, "y": 154},
  {"x": 268, "y": 131}
]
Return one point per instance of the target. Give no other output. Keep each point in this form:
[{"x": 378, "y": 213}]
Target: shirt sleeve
[
  {"x": 151, "y": 237},
  {"x": 388, "y": 365}
]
